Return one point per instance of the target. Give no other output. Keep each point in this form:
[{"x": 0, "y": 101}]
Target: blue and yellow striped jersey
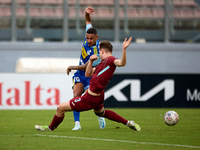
[{"x": 87, "y": 51}]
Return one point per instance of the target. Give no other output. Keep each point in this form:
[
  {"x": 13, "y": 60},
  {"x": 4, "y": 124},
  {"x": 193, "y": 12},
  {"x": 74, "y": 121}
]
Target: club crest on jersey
[{"x": 88, "y": 52}]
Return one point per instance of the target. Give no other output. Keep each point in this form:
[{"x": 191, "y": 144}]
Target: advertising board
[
  {"x": 153, "y": 90},
  {"x": 46, "y": 91}
]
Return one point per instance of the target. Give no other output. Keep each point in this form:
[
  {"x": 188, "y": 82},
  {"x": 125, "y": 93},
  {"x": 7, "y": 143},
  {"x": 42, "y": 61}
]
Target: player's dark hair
[
  {"x": 107, "y": 46},
  {"x": 92, "y": 31}
]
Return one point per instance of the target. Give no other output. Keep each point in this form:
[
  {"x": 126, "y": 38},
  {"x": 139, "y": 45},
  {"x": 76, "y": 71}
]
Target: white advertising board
[{"x": 34, "y": 91}]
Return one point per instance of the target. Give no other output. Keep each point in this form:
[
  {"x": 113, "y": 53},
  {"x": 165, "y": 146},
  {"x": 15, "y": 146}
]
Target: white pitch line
[{"x": 122, "y": 141}]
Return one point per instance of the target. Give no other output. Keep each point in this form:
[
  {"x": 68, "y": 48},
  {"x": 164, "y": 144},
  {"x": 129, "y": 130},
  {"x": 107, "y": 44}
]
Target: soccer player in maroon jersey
[{"x": 94, "y": 97}]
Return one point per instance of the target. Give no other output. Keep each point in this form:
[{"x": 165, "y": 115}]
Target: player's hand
[
  {"x": 93, "y": 57},
  {"x": 127, "y": 43},
  {"x": 89, "y": 10},
  {"x": 69, "y": 70}
]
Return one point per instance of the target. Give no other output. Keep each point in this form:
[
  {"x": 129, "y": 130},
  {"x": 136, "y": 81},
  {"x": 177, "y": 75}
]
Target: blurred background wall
[{"x": 166, "y": 33}]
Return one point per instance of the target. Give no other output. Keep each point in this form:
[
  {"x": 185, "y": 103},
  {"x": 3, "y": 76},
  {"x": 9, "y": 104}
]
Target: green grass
[{"x": 17, "y": 131}]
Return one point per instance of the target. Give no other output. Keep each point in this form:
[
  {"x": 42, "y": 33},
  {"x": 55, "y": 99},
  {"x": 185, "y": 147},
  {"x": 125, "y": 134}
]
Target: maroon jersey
[{"x": 102, "y": 75}]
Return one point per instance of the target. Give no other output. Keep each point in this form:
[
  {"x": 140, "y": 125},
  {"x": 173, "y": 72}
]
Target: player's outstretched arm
[
  {"x": 89, "y": 10},
  {"x": 122, "y": 62},
  {"x": 79, "y": 67},
  {"x": 89, "y": 70}
]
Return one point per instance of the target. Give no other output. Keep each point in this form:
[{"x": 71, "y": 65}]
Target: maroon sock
[
  {"x": 115, "y": 117},
  {"x": 55, "y": 122}
]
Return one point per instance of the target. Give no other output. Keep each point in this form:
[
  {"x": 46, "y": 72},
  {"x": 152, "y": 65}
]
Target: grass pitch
[{"x": 17, "y": 131}]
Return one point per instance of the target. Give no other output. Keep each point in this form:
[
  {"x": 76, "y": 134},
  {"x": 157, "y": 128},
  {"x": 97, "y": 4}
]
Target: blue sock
[{"x": 76, "y": 116}]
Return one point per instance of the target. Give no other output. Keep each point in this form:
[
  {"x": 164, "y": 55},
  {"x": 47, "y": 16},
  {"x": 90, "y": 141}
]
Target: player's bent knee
[
  {"x": 59, "y": 108},
  {"x": 100, "y": 114}
]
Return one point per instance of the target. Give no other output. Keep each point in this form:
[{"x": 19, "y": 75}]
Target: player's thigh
[
  {"x": 64, "y": 107},
  {"x": 78, "y": 89}
]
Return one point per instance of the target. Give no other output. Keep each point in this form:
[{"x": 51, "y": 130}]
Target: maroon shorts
[{"x": 87, "y": 102}]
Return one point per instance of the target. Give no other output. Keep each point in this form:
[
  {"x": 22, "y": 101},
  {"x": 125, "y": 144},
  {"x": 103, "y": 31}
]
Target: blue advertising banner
[{"x": 153, "y": 90}]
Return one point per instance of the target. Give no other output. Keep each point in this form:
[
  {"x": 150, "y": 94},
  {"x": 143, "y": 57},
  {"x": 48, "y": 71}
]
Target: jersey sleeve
[
  {"x": 88, "y": 26},
  {"x": 113, "y": 59},
  {"x": 96, "y": 62}
]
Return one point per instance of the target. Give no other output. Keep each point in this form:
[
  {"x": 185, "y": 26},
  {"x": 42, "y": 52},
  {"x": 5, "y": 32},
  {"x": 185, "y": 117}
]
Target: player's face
[{"x": 91, "y": 39}]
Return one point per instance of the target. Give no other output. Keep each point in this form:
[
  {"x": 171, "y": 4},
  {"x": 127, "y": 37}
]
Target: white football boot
[
  {"x": 42, "y": 128},
  {"x": 102, "y": 122},
  {"x": 77, "y": 126},
  {"x": 133, "y": 125}
]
